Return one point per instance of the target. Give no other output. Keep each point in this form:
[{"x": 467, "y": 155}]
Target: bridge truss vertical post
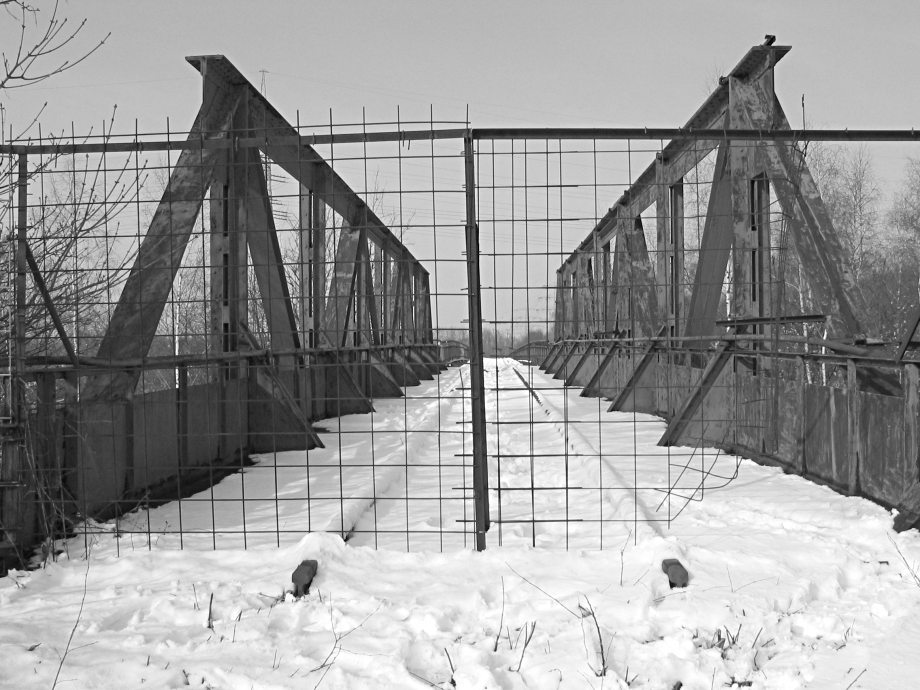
[{"x": 477, "y": 378}]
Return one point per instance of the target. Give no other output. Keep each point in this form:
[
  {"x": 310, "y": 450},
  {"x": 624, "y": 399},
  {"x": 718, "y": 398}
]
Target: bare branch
[{"x": 37, "y": 53}]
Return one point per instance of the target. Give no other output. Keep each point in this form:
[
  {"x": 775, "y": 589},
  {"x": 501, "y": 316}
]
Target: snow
[{"x": 791, "y": 585}]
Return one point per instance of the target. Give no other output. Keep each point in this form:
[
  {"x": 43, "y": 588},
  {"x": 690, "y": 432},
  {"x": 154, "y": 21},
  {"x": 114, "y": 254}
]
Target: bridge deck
[{"x": 564, "y": 473}]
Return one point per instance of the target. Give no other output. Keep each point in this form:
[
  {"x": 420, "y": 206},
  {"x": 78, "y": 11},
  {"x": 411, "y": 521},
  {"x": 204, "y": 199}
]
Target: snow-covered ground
[{"x": 791, "y": 585}]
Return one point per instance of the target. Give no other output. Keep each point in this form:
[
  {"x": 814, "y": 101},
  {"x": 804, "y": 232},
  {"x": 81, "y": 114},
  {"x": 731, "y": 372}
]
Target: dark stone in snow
[
  {"x": 677, "y": 574},
  {"x": 303, "y": 576}
]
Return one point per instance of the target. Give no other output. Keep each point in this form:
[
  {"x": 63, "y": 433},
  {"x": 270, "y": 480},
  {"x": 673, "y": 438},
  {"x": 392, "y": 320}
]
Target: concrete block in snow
[{"x": 303, "y": 576}]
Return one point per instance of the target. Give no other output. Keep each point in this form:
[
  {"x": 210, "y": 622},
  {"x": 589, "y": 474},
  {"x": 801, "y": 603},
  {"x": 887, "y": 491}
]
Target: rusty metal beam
[
  {"x": 372, "y": 324},
  {"x": 268, "y": 267},
  {"x": 593, "y": 386},
  {"x": 339, "y": 311},
  {"x": 143, "y": 299},
  {"x": 715, "y": 249},
  {"x": 645, "y": 360},
  {"x": 697, "y": 395},
  {"x": 49, "y": 304},
  {"x": 817, "y": 246},
  {"x": 685, "y": 153},
  {"x": 641, "y": 278},
  {"x": 281, "y": 142}
]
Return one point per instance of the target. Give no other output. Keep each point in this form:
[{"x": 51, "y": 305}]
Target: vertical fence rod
[
  {"x": 477, "y": 380},
  {"x": 17, "y": 459},
  {"x": 21, "y": 270}
]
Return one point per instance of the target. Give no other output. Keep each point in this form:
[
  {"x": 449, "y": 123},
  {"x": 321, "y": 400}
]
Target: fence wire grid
[{"x": 436, "y": 338}]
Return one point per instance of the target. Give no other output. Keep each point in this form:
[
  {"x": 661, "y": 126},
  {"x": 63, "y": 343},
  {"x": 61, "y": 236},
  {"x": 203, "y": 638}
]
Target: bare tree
[
  {"x": 47, "y": 44},
  {"x": 77, "y": 212},
  {"x": 905, "y": 211},
  {"x": 74, "y": 202}
]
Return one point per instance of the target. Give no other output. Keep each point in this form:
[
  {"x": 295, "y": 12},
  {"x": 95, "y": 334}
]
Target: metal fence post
[
  {"x": 22, "y": 225},
  {"x": 477, "y": 380},
  {"x": 15, "y": 513}
]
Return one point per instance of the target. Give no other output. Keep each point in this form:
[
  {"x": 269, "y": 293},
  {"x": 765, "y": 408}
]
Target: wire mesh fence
[
  {"x": 424, "y": 336},
  {"x": 212, "y": 352},
  {"x": 689, "y": 318}
]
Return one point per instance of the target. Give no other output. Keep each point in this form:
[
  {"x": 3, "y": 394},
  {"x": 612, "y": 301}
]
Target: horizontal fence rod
[
  {"x": 223, "y": 142},
  {"x": 541, "y": 133},
  {"x": 574, "y": 133}
]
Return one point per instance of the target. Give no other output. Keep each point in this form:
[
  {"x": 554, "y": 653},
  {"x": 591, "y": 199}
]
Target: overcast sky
[{"x": 514, "y": 63}]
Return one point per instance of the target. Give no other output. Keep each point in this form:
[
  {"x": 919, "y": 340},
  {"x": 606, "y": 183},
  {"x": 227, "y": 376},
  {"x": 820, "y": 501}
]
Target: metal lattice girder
[
  {"x": 634, "y": 276},
  {"x": 669, "y": 255},
  {"x": 682, "y": 155},
  {"x": 267, "y": 262},
  {"x": 593, "y": 388},
  {"x": 305, "y": 165},
  {"x": 370, "y": 331},
  {"x": 661, "y": 182},
  {"x": 143, "y": 299},
  {"x": 715, "y": 250},
  {"x": 744, "y": 101},
  {"x": 692, "y": 403},
  {"x": 632, "y": 385},
  {"x": 823, "y": 259},
  {"x": 229, "y": 275},
  {"x": 301, "y": 161},
  {"x": 340, "y": 303}
]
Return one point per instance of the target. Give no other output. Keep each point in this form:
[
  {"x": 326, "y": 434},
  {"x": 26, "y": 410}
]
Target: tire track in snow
[
  {"x": 574, "y": 438},
  {"x": 390, "y": 486}
]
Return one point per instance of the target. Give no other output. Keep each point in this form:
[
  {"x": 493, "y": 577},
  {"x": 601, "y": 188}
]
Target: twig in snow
[
  {"x": 75, "y": 624},
  {"x": 584, "y": 612},
  {"x": 732, "y": 639},
  {"x": 754, "y": 582},
  {"x": 642, "y": 576},
  {"x": 622, "y": 553},
  {"x": 529, "y": 629},
  {"x": 420, "y": 678},
  {"x": 911, "y": 569},
  {"x": 855, "y": 679},
  {"x": 211, "y": 612},
  {"x": 537, "y": 587},
  {"x": 588, "y": 611},
  {"x": 82, "y": 646},
  {"x": 336, "y": 645},
  {"x": 453, "y": 670},
  {"x": 195, "y": 592},
  {"x": 501, "y": 619},
  {"x": 273, "y": 599},
  {"x": 627, "y": 679},
  {"x": 846, "y": 636}
]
